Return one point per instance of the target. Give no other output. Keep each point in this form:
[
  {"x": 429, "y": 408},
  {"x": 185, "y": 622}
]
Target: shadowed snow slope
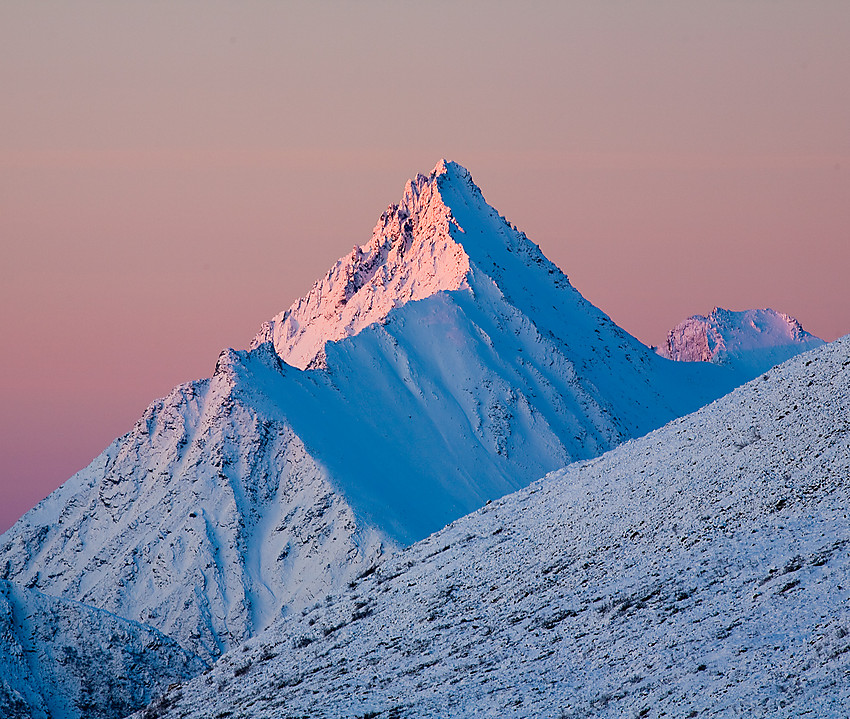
[
  {"x": 749, "y": 342},
  {"x": 463, "y": 364},
  {"x": 64, "y": 660},
  {"x": 204, "y": 521},
  {"x": 702, "y": 570},
  {"x": 452, "y": 363}
]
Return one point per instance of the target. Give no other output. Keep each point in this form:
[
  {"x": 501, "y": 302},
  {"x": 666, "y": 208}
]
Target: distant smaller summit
[{"x": 749, "y": 341}]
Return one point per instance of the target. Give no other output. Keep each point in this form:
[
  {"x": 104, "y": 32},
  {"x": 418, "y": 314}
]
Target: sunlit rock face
[
  {"x": 412, "y": 255},
  {"x": 699, "y": 571},
  {"x": 443, "y": 364}
]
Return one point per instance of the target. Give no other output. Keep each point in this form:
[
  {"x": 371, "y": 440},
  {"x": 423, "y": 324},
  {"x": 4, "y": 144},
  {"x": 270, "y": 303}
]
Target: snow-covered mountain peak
[
  {"x": 418, "y": 247},
  {"x": 701, "y": 570},
  {"x": 748, "y": 340}
]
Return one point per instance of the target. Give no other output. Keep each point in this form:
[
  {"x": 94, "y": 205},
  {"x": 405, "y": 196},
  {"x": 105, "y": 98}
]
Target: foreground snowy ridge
[
  {"x": 465, "y": 366},
  {"x": 702, "y": 570}
]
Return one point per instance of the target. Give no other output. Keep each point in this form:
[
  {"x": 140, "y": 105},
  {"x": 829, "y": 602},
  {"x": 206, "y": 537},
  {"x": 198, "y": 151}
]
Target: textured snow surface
[
  {"x": 64, "y": 660},
  {"x": 702, "y": 570},
  {"x": 463, "y": 366},
  {"x": 205, "y": 522},
  {"x": 750, "y": 342}
]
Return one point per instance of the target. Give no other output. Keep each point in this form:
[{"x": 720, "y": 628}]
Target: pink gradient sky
[{"x": 173, "y": 174}]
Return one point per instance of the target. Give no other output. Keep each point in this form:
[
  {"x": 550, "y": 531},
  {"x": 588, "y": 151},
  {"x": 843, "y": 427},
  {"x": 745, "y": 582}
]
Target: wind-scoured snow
[
  {"x": 749, "y": 342},
  {"x": 702, "y": 570},
  {"x": 444, "y": 364},
  {"x": 64, "y": 660},
  {"x": 206, "y": 521},
  {"x": 480, "y": 367}
]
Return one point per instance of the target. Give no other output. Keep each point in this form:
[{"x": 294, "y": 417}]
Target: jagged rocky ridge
[
  {"x": 443, "y": 364},
  {"x": 749, "y": 342},
  {"x": 452, "y": 364},
  {"x": 411, "y": 256},
  {"x": 702, "y": 570},
  {"x": 62, "y": 660},
  {"x": 449, "y": 364}
]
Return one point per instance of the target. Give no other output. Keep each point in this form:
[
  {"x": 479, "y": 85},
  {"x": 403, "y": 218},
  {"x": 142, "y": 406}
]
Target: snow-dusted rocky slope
[
  {"x": 702, "y": 570},
  {"x": 452, "y": 363},
  {"x": 64, "y": 660},
  {"x": 204, "y": 521},
  {"x": 465, "y": 362},
  {"x": 749, "y": 342}
]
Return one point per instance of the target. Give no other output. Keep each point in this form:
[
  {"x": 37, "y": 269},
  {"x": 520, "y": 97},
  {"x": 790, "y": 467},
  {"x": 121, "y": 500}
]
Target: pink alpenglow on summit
[
  {"x": 411, "y": 256},
  {"x": 444, "y": 364},
  {"x": 749, "y": 341}
]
